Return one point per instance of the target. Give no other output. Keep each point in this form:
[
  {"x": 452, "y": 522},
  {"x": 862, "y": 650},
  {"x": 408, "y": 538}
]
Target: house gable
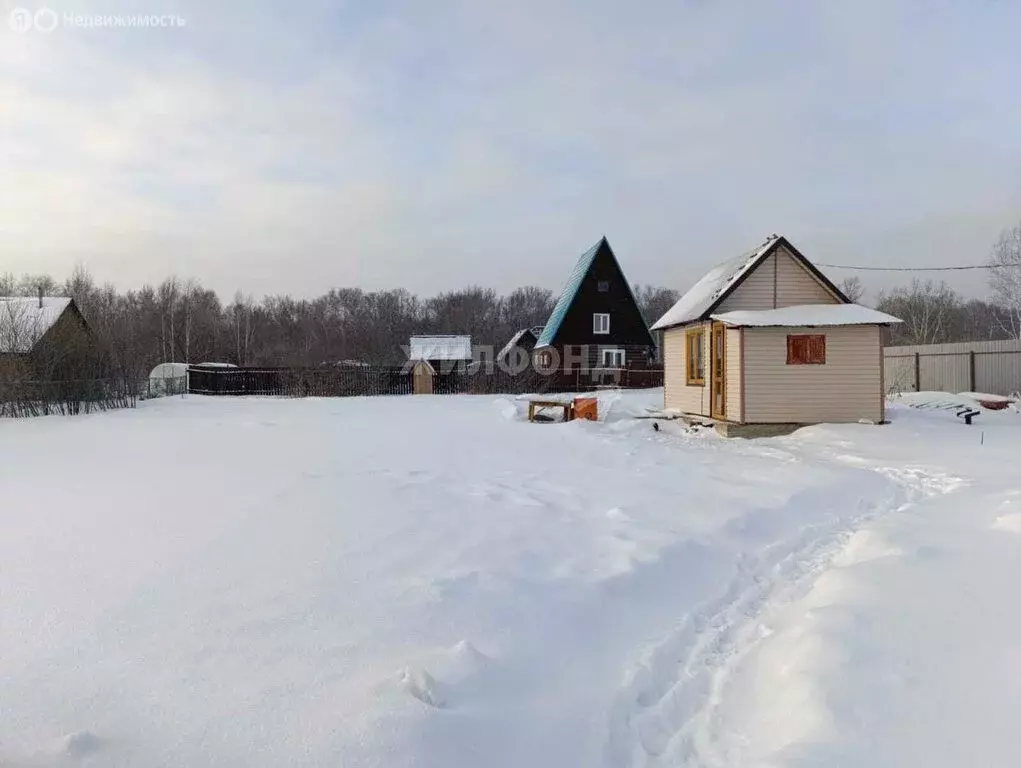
[
  {"x": 26, "y": 321},
  {"x": 773, "y": 275},
  {"x": 597, "y": 285},
  {"x": 779, "y": 280}
]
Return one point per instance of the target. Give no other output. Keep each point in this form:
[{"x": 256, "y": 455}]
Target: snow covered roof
[
  {"x": 807, "y": 315},
  {"x": 708, "y": 292},
  {"x": 25, "y": 320},
  {"x": 169, "y": 371},
  {"x": 441, "y": 348},
  {"x": 701, "y": 297},
  {"x": 513, "y": 342}
]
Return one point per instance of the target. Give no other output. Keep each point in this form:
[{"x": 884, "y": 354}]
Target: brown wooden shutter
[
  {"x": 805, "y": 349},
  {"x": 796, "y": 351},
  {"x": 817, "y": 349}
]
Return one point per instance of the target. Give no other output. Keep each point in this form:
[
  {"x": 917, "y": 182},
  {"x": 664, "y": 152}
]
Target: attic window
[
  {"x": 600, "y": 323},
  {"x": 807, "y": 349},
  {"x": 604, "y": 286}
]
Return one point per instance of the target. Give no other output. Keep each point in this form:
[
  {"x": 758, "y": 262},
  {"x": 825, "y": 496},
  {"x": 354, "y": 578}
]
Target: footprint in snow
[
  {"x": 80, "y": 744},
  {"x": 423, "y": 686}
]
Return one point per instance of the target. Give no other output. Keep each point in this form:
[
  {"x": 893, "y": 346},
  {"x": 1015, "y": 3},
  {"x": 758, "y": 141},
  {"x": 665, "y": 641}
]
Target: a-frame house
[{"x": 596, "y": 330}]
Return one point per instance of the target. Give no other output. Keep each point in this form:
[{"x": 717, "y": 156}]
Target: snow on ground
[{"x": 432, "y": 581}]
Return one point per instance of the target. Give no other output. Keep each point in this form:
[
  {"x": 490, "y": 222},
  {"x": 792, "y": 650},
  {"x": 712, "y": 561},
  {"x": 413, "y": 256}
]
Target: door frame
[{"x": 718, "y": 373}]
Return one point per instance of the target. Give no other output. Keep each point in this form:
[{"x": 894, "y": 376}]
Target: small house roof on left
[
  {"x": 440, "y": 348},
  {"x": 24, "y": 321},
  {"x": 525, "y": 338}
]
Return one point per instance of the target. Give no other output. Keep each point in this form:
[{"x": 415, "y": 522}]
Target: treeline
[
  {"x": 181, "y": 321},
  {"x": 934, "y": 313}
]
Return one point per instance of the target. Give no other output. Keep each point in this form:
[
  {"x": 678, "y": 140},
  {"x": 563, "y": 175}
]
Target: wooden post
[
  {"x": 918, "y": 373},
  {"x": 971, "y": 371}
]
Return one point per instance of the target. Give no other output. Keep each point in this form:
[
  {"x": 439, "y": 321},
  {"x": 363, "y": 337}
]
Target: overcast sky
[{"x": 292, "y": 147}]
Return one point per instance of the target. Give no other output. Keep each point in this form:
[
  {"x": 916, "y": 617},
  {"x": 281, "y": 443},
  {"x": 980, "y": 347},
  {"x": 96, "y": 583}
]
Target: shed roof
[
  {"x": 424, "y": 365},
  {"x": 513, "y": 342},
  {"x": 703, "y": 297},
  {"x": 440, "y": 348},
  {"x": 810, "y": 315},
  {"x": 25, "y": 320}
]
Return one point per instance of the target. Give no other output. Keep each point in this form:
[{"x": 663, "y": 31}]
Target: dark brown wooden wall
[{"x": 627, "y": 327}]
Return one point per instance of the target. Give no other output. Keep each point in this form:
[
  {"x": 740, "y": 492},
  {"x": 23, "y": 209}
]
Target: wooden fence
[{"x": 981, "y": 366}]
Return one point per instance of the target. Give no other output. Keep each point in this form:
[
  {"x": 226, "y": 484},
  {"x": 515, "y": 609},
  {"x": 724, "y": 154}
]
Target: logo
[
  {"x": 46, "y": 20},
  {"x": 22, "y": 20}
]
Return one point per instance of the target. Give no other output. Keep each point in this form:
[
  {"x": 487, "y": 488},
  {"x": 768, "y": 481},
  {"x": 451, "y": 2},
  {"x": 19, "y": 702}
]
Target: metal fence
[
  {"x": 980, "y": 366},
  {"x": 396, "y": 380},
  {"x": 300, "y": 382}
]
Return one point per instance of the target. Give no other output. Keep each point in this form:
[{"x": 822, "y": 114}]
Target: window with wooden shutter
[
  {"x": 806, "y": 349},
  {"x": 694, "y": 352}
]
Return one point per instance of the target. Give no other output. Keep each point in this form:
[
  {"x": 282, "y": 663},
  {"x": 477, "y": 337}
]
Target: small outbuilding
[
  {"x": 168, "y": 379},
  {"x": 765, "y": 343},
  {"x": 444, "y": 353}
]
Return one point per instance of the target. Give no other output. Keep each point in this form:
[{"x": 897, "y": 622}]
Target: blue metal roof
[{"x": 567, "y": 297}]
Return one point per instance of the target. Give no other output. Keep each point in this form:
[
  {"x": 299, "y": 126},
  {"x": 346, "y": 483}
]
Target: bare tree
[
  {"x": 242, "y": 321},
  {"x": 32, "y": 285},
  {"x": 853, "y": 289},
  {"x": 654, "y": 301},
  {"x": 1005, "y": 279},
  {"x": 8, "y": 284},
  {"x": 19, "y": 327},
  {"x": 930, "y": 312}
]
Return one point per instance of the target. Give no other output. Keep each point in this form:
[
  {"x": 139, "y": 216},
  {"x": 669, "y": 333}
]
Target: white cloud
[{"x": 431, "y": 145}]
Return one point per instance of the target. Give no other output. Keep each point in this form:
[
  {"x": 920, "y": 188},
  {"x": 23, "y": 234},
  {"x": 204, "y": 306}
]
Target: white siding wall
[
  {"x": 677, "y": 394},
  {"x": 733, "y": 374},
  {"x": 847, "y": 388},
  {"x": 756, "y": 292},
  {"x": 794, "y": 285}
]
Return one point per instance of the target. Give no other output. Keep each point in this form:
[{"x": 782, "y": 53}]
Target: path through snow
[{"x": 751, "y": 678}]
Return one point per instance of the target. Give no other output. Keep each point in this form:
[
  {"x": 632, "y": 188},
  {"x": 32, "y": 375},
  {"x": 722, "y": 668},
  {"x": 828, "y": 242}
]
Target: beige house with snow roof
[{"x": 765, "y": 343}]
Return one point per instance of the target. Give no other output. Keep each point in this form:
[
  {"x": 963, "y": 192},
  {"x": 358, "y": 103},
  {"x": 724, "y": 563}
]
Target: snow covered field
[{"x": 432, "y": 581}]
